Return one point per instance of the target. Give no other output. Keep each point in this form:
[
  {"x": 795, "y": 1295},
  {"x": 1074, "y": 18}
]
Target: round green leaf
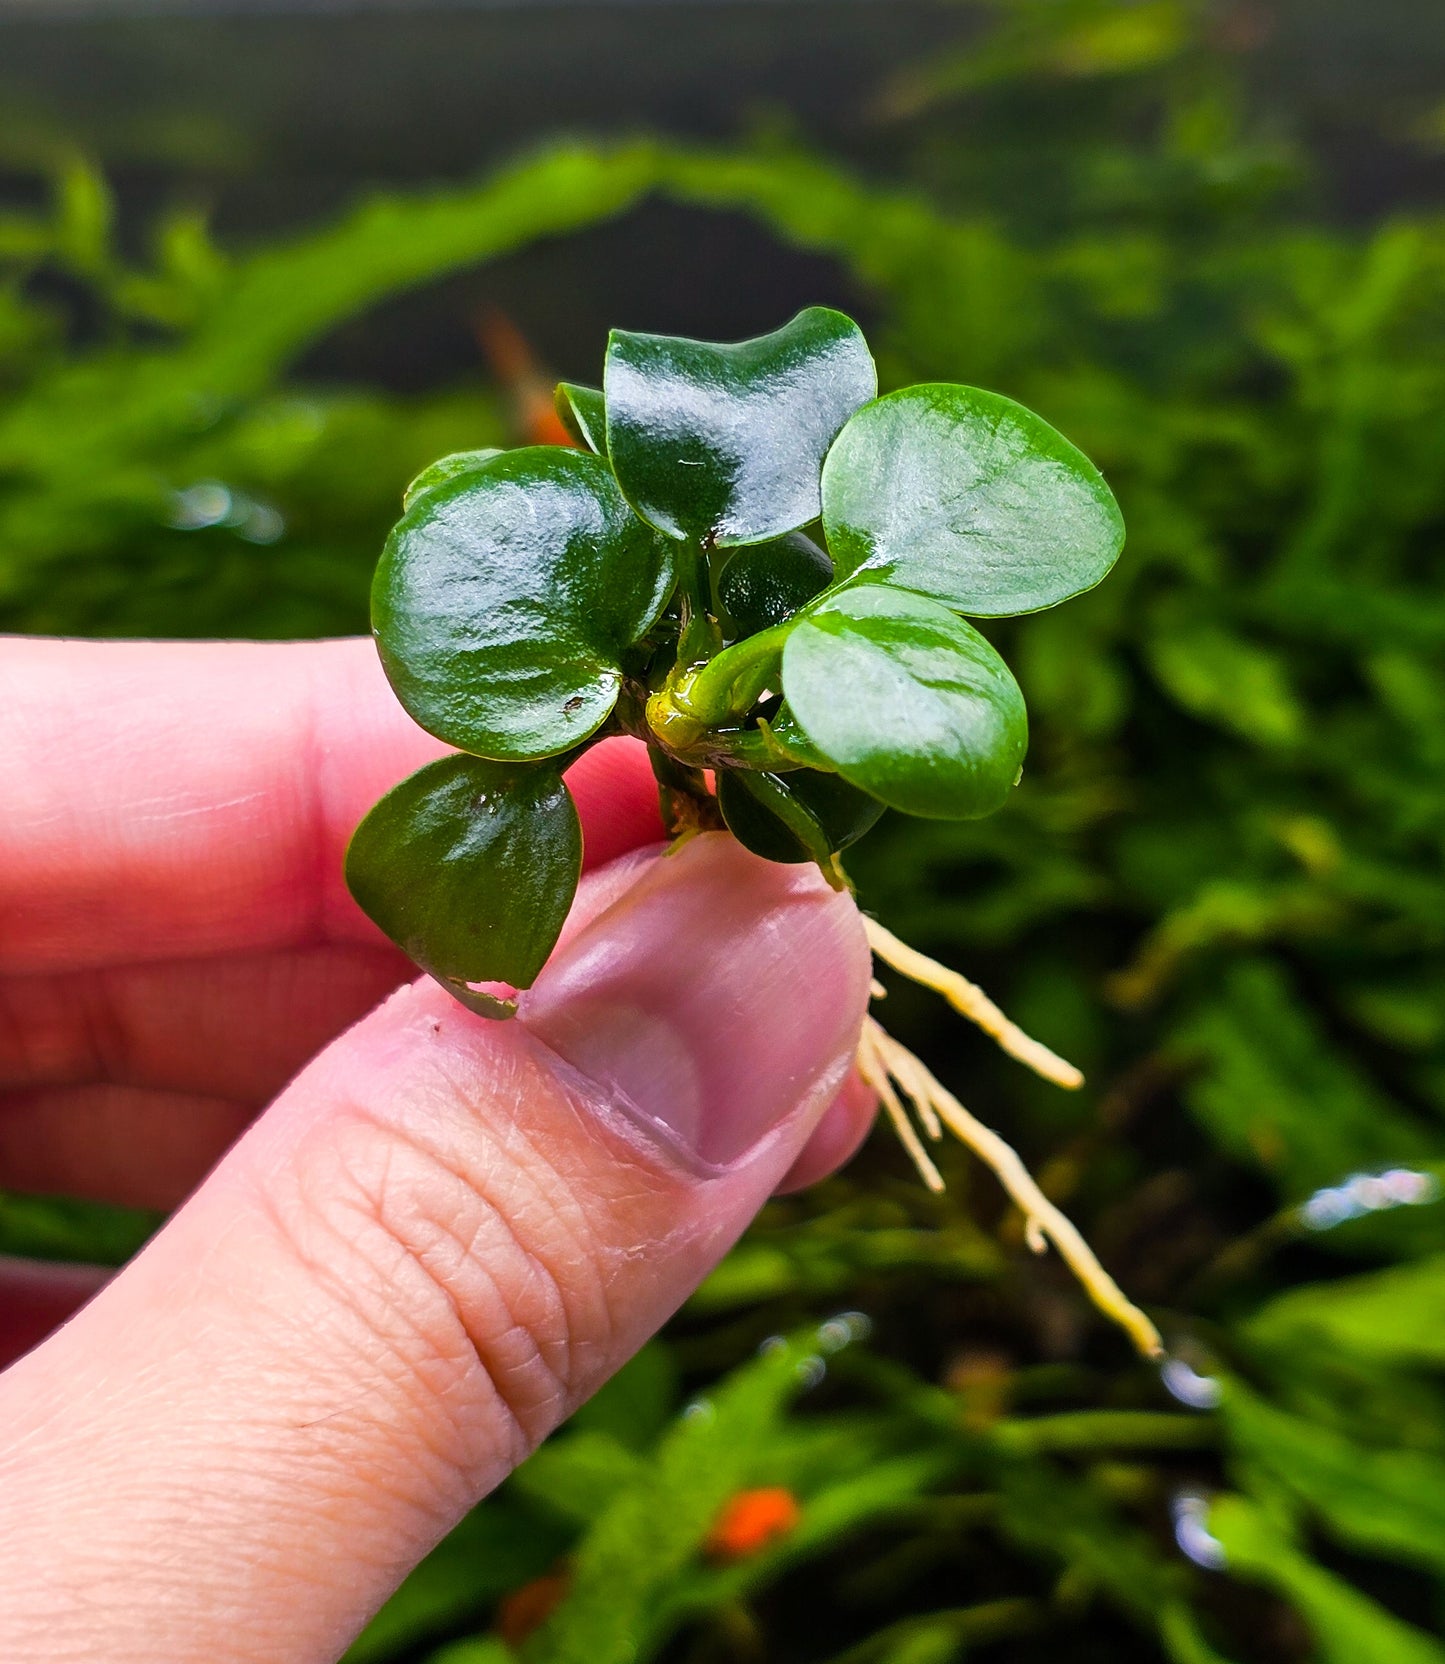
[
  {"x": 444, "y": 471},
  {"x": 470, "y": 866},
  {"x": 724, "y": 443},
  {"x": 798, "y": 816},
  {"x": 767, "y": 582},
  {"x": 504, "y": 602},
  {"x": 907, "y": 701},
  {"x": 969, "y": 498},
  {"x": 584, "y": 415}
]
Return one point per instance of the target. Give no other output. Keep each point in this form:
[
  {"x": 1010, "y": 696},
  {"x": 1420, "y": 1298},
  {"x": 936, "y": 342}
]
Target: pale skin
[{"x": 409, "y": 1241}]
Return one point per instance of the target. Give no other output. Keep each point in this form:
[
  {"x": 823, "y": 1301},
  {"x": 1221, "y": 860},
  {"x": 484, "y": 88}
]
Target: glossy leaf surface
[
  {"x": 583, "y": 412},
  {"x": 725, "y": 443},
  {"x": 765, "y": 583},
  {"x": 908, "y": 702},
  {"x": 470, "y": 866},
  {"x": 504, "y": 602},
  {"x": 803, "y": 815},
  {"x": 967, "y": 497},
  {"x": 444, "y": 471},
  {"x": 794, "y": 742}
]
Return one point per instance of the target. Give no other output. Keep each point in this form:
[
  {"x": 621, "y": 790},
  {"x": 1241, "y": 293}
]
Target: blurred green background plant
[{"x": 1220, "y": 888}]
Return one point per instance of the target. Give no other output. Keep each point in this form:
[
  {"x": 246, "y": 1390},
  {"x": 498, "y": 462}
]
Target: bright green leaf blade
[
  {"x": 762, "y": 812},
  {"x": 583, "y": 412},
  {"x": 497, "y": 1548},
  {"x": 637, "y": 1550},
  {"x": 1181, "y": 1638},
  {"x": 444, "y": 471},
  {"x": 1348, "y": 1627},
  {"x": 725, "y": 443},
  {"x": 577, "y": 1477},
  {"x": 1221, "y": 676},
  {"x": 1395, "y": 1316},
  {"x": 969, "y": 498},
  {"x": 484, "y": 1649},
  {"x": 635, "y": 1404},
  {"x": 1384, "y": 1501},
  {"x": 470, "y": 867},
  {"x": 767, "y": 582},
  {"x": 503, "y": 603},
  {"x": 1271, "y": 1086},
  {"x": 907, "y": 701}
]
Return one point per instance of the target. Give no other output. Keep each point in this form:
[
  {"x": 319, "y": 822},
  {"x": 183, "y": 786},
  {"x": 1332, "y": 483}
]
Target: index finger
[{"x": 169, "y": 800}]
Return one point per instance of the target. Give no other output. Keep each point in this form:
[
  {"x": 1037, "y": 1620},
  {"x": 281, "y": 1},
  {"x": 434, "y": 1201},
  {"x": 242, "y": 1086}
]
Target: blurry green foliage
[{"x": 1221, "y": 885}]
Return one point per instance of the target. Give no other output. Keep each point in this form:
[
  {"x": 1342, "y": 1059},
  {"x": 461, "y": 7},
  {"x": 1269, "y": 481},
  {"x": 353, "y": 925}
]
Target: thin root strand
[
  {"x": 874, "y": 1072},
  {"x": 889, "y": 1067},
  {"x": 970, "y": 1001}
]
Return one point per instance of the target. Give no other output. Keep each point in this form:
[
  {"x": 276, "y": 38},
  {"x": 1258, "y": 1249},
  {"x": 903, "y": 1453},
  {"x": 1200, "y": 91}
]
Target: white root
[
  {"x": 970, "y": 1001},
  {"x": 895, "y": 1074},
  {"x": 874, "y": 1071}
]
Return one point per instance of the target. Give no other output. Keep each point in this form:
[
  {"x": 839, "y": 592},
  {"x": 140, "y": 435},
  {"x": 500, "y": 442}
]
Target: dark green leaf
[
  {"x": 470, "y": 867},
  {"x": 1049, "y": 1512},
  {"x": 444, "y": 470},
  {"x": 583, "y": 412},
  {"x": 504, "y": 602},
  {"x": 725, "y": 443},
  {"x": 907, "y": 701},
  {"x": 767, "y": 582},
  {"x": 799, "y": 816},
  {"x": 68, "y": 1228},
  {"x": 969, "y": 498}
]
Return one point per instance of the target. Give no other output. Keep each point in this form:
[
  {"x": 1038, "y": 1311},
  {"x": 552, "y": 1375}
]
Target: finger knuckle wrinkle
[{"x": 472, "y": 1282}]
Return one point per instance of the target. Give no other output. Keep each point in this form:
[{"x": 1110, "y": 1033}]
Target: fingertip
[
  {"x": 717, "y": 993},
  {"x": 836, "y": 1139}
]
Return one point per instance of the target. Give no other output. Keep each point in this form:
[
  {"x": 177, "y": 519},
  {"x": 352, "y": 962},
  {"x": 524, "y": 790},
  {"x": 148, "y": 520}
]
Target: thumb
[{"x": 443, "y": 1236}]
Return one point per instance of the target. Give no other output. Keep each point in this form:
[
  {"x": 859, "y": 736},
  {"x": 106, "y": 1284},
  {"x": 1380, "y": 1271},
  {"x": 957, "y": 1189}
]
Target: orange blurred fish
[{"x": 751, "y": 1522}]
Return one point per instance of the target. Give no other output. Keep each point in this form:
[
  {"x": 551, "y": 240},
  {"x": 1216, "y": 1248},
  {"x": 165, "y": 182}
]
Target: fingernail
[{"x": 715, "y": 1000}]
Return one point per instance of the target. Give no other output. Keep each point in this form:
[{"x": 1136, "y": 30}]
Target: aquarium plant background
[{"x": 239, "y": 312}]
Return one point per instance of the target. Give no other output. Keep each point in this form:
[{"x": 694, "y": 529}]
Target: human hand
[{"x": 443, "y": 1233}]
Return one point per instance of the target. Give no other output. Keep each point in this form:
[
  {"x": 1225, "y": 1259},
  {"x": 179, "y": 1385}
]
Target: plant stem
[
  {"x": 687, "y": 805},
  {"x": 727, "y": 686},
  {"x": 700, "y": 638}
]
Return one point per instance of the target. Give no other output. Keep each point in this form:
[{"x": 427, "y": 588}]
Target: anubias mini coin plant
[{"x": 752, "y": 563}]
